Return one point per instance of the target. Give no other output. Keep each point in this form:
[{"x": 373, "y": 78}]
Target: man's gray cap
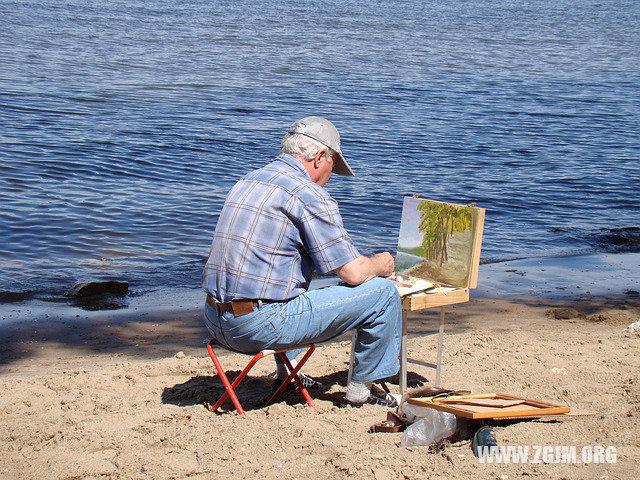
[{"x": 323, "y": 131}]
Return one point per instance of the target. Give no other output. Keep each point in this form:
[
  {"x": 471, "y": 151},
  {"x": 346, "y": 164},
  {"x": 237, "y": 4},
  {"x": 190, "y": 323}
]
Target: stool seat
[{"x": 230, "y": 387}]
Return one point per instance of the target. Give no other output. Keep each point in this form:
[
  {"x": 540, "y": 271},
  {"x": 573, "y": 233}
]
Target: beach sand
[{"x": 113, "y": 398}]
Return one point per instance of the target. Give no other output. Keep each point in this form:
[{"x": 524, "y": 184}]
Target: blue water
[{"x": 123, "y": 124}]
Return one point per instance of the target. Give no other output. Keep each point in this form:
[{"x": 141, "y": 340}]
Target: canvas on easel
[{"x": 439, "y": 242}]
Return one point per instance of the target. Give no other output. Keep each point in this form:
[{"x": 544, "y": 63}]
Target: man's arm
[{"x": 365, "y": 268}]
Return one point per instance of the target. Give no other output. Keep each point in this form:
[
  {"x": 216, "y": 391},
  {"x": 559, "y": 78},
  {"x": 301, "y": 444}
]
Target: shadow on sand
[
  {"x": 253, "y": 392},
  {"x": 133, "y": 334}
]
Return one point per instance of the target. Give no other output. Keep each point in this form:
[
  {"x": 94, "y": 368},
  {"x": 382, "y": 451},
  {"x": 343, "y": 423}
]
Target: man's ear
[{"x": 318, "y": 158}]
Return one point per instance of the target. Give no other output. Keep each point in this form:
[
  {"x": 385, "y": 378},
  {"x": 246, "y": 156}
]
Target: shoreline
[
  {"x": 561, "y": 277},
  {"x": 166, "y": 321}
]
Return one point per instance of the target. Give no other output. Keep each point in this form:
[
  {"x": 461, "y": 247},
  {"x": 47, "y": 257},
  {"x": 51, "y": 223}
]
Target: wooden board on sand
[{"x": 490, "y": 405}]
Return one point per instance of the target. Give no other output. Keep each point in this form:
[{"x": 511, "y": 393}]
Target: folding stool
[{"x": 230, "y": 387}]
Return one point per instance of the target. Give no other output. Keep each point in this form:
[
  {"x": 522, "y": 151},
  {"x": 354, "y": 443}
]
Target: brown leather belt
[{"x": 237, "y": 307}]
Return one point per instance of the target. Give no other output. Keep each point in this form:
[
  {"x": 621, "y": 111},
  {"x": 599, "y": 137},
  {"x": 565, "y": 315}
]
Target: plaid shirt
[{"x": 276, "y": 227}]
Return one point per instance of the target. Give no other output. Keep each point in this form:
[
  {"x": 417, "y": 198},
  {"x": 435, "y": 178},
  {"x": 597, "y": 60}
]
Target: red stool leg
[
  {"x": 294, "y": 376},
  {"x": 230, "y": 387}
]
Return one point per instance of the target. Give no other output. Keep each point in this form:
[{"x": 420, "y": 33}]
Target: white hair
[{"x": 303, "y": 147}]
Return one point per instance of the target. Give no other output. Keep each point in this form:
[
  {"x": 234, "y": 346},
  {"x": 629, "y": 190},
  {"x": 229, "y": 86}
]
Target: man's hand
[
  {"x": 365, "y": 268},
  {"x": 385, "y": 262}
]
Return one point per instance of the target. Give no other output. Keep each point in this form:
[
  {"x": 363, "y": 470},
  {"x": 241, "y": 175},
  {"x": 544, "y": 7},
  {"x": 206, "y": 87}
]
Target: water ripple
[{"x": 122, "y": 126}]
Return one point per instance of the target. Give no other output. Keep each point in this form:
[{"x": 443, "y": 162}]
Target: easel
[
  {"x": 440, "y": 298},
  {"x": 436, "y": 298}
]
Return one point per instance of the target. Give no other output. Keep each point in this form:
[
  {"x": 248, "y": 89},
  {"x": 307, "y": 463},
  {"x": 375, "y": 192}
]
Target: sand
[{"x": 113, "y": 400}]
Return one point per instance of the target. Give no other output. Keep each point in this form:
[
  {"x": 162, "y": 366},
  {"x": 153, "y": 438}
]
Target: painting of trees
[{"x": 438, "y": 222}]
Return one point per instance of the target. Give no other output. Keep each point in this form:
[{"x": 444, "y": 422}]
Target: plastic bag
[{"x": 433, "y": 426}]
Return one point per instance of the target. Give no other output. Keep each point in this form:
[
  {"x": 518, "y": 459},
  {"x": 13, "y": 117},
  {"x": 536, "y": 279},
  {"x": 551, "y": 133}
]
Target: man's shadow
[{"x": 253, "y": 392}]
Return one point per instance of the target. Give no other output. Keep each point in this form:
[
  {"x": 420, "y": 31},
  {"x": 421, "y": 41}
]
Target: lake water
[{"x": 124, "y": 123}]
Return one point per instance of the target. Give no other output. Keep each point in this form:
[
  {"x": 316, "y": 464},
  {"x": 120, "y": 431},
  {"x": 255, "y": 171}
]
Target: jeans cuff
[{"x": 378, "y": 376}]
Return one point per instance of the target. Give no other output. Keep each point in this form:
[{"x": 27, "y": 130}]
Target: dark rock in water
[
  {"x": 101, "y": 303},
  {"x": 619, "y": 240},
  {"x": 106, "y": 295},
  {"x": 92, "y": 289},
  {"x": 12, "y": 297},
  {"x": 632, "y": 293}
]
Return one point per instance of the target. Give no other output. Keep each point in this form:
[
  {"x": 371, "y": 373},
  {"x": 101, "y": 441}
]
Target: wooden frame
[
  {"x": 527, "y": 407},
  {"x": 438, "y": 297},
  {"x": 477, "y": 247}
]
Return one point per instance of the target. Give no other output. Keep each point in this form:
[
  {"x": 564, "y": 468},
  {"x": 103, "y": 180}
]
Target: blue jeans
[{"x": 373, "y": 309}]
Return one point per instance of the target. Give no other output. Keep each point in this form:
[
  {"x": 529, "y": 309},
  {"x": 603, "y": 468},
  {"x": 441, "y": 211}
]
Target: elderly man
[{"x": 279, "y": 225}]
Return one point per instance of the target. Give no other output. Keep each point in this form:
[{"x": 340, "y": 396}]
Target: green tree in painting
[{"x": 438, "y": 221}]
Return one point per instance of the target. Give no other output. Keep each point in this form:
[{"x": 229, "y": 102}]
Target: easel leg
[
  {"x": 403, "y": 354},
  {"x": 352, "y": 356},
  {"x": 440, "y": 345}
]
